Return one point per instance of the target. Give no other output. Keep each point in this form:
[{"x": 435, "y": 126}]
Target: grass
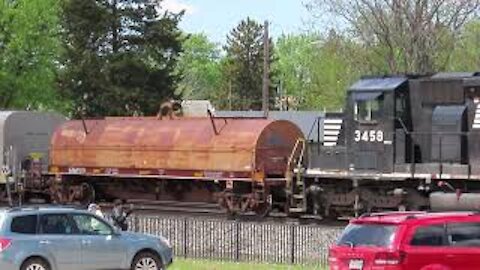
[{"x": 182, "y": 264}]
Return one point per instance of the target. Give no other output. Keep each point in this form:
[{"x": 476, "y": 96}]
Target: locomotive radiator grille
[
  {"x": 331, "y": 131},
  {"x": 476, "y": 120}
]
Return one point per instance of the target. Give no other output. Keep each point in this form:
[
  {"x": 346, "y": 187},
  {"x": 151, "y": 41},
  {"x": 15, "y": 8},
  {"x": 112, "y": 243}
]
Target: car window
[
  {"x": 91, "y": 225},
  {"x": 378, "y": 235},
  {"x": 464, "y": 234},
  {"x": 433, "y": 235},
  {"x": 56, "y": 224},
  {"x": 24, "y": 224}
]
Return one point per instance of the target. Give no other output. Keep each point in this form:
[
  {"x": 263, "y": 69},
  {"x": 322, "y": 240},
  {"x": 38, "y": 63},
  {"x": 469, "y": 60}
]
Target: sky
[{"x": 216, "y": 18}]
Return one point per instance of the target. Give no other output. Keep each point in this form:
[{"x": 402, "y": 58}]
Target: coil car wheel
[
  {"x": 35, "y": 264},
  {"x": 147, "y": 261}
]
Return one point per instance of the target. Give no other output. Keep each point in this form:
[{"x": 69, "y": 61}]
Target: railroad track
[
  {"x": 212, "y": 211},
  {"x": 171, "y": 208}
]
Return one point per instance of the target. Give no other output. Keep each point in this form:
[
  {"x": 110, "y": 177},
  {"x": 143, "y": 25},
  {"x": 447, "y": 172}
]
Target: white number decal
[
  {"x": 365, "y": 136},
  {"x": 372, "y": 136},
  {"x": 369, "y": 136},
  {"x": 379, "y": 136},
  {"x": 358, "y": 135}
]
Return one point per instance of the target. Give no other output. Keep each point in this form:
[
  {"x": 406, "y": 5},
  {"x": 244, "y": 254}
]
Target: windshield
[
  {"x": 377, "y": 235},
  {"x": 368, "y": 110}
]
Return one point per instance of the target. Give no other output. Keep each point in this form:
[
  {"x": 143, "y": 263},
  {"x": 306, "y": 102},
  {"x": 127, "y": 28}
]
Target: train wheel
[
  {"x": 263, "y": 210},
  {"x": 331, "y": 216},
  {"x": 328, "y": 212},
  {"x": 231, "y": 215},
  {"x": 228, "y": 202}
]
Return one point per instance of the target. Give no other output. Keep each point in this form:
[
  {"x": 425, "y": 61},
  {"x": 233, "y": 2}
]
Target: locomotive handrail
[
  {"x": 462, "y": 133},
  {"x": 294, "y": 150},
  {"x": 404, "y": 127},
  {"x": 289, "y": 171},
  {"x": 316, "y": 123},
  {"x": 302, "y": 153}
]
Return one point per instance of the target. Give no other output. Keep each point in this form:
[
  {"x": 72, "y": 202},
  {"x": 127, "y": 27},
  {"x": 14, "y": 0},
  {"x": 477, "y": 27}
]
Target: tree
[
  {"x": 29, "y": 49},
  {"x": 199, "y": 64},
  {"x": 410, "y": 35},
  {"x": 466, "y": 56},
  {"x": 296, "y": 54},
  {"x": 120, "y": 56},
  {"x": 316, "y": 70},
  {"x": 244, "y": 66}
]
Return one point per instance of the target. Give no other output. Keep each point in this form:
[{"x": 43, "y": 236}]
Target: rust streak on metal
[{"x": 183, "y": 144}]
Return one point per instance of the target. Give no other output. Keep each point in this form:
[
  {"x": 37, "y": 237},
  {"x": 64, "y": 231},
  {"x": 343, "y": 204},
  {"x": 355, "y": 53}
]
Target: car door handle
[{"x": 45, "y": 242}]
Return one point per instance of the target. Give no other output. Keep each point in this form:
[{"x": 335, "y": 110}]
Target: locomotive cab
[
  {"x": 375, "y": 107},
  {"x": 340, "y": 176},
  {"x": 364, "y": 139}
]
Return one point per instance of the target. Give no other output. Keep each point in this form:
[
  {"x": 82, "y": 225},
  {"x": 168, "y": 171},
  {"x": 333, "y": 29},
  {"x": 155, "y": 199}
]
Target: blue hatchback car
[{"x": 54, "y": 238}]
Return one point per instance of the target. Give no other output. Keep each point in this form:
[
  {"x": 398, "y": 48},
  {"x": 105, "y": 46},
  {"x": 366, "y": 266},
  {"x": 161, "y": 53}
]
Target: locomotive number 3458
[{"x": 369, "y": 135}]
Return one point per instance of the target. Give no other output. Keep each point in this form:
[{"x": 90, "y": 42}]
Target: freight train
[
  {"x": 239, "y": 163},
  {"x": 401, "y": 143}
]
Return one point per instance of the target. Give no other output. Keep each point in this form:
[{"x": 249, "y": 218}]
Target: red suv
[{"x": 409, "y": 240}]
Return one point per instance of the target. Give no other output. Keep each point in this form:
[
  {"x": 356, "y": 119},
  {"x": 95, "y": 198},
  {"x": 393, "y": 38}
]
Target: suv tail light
[
  {"x": 4, "y": 244},
  {"x": 389, "y": 258}
]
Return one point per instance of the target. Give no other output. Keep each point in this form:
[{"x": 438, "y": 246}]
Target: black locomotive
[{"x": 402, "y": 143}]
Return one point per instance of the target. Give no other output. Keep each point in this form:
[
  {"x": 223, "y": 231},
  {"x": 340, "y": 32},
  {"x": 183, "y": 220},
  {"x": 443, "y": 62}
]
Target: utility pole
[
  {"x": 282, "y": 97},
  {"x": 266, "y": 71},
  {"x": 230, "y": 93}
]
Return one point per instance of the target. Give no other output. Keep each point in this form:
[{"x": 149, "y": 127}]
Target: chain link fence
[{"x": 241, "y": 241}]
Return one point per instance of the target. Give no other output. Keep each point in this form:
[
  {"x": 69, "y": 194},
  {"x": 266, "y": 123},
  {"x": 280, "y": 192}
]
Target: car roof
[
  {"x": 410, "y": 217},
  {"x": 38, "y": 209}
]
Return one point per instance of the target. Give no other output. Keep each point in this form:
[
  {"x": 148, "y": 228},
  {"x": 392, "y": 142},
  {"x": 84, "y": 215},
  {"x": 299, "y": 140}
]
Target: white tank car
[{"x": 24, "y": 143}]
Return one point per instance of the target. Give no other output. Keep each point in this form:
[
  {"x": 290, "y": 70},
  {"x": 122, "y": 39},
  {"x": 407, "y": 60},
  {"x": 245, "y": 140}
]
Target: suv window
[
  {"x": 464, "y": 234},
  {"x": 378, "y": 235},
  {"x": 56, "y": 224},
  {"x": 433, "y": 235},
  {"x": 24, "y": 224},
  {"x": 88, "y": 224}
]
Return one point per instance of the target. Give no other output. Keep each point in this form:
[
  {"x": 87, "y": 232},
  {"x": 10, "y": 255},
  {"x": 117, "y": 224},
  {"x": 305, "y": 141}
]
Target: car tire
[
  {"x": 147, "y": 261},
  {"x": 35, "y": 264}
]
